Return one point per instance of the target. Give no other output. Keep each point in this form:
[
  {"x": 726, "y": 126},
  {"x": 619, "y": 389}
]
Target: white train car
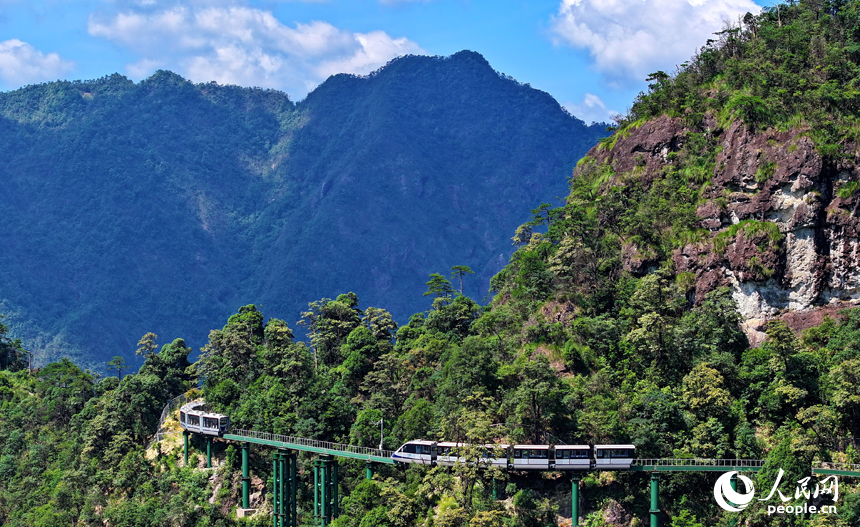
[
  {"x": 446, "y": 454},
  {"x": 420, "y": 452},
  {"x": 531, "y": 457},
  {"x": 613, "y": 457},
  {"x": 522, "y": 457},
  {"x": 572, "y": 457},
  {"x": 196, "y": 417},
  {"x": 496, "y": 455}
]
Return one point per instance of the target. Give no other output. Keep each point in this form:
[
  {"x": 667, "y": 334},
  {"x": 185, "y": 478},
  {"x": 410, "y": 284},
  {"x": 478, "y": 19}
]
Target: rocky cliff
[{"x": 778, "y": 222}]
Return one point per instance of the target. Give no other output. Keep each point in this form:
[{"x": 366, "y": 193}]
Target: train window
[
  {"x": 224, "y": 421},
  {"x": 210, "y": 422},
  {"x": 539, "y": 454},
  {"x": 518, "y": 454},
  {"x": 620, "y": 453},
  {"x": 562, "y": 454},
  {"x": 181, "y": 417},
  {"x": 423, "y": 449},
  {"x": 579, "y": 453},
  {"x": 600, "y": 453},
  {"x": 193, "y": 420},
  {"x": 409, "y": 448}
]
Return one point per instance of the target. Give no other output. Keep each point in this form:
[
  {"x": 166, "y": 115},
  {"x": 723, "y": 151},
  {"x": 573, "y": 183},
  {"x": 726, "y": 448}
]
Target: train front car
[
  {"x": 195, "y": 417},
  {"x": 572, "y": 457},
  {"x": 420, "y": 452},
  {"x": 613, "y": 457}
]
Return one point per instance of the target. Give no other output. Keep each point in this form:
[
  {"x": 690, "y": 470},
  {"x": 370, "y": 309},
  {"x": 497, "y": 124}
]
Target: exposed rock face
[{"x": 782, "y": 237}]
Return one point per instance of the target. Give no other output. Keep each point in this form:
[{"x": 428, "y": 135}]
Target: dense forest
[
  {"x": 577, "y": 346},
  {"x": 162, "y": 205}
]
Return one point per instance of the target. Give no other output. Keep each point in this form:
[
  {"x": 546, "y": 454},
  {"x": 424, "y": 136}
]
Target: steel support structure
[
  {"x": 246, "y": 478},
  {"x": 574, "y": 500},
  {"x": 185, "y": 435},
  {"x": 655, "y": 500},
  {"x": 208, "y": 452},
  {"x": 284, "y": 513},
  {"x": 326, "y": 499},
  {"x": 368, "y": 470}
]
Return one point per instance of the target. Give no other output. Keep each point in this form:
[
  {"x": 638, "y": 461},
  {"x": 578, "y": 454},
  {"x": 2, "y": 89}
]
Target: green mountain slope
[
  {"x": 159, "y": 206},
  {"x": 611, "y": 324}
]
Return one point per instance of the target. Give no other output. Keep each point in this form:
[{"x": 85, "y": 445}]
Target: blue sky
[{"x": 591, "y": 55}]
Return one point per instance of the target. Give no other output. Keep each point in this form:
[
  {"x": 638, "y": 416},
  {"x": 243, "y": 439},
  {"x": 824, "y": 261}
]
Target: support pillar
[
  {"x": 208, "y": 452},
  {"x": 495, "y": 489},
  {"x": 368, "y": 470},
  {"x": 293, "y": 504},
  {"x": 246, "y": 479},
  {"x": 185, "y": 440},
  {"x": 655, "y": 501},
  {"x": 323, "y": 490},
  {"x": 277, "y": 506},
  {"x": 574, "y": 500},
  {"x": 284, "y": 512},
  {"x": 733, "y": 520},
  {"x": 317, "y": 514},
  {"x": 326, "y": 499},
  {"x": 335, "y": 502}
]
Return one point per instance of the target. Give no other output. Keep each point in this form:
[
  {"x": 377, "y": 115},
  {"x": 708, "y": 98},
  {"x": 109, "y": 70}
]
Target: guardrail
[
  {"x": 312, "y": 443},
  {"x": 696, "y": 465},
  {"x": 699, "y": 462},
  {"x": 171, "y": 405},
  {"x": 844, "y": 469},
  {"x": 160, "y": 436}
]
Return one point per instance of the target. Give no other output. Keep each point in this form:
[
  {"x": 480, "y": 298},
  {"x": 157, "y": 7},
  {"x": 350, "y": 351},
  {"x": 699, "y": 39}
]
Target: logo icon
[{"x": 730, "y": 499}]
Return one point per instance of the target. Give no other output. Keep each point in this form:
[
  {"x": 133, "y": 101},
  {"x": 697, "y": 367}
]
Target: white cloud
[
  {"x": 246, "y": 46},
  {"x": 591, "y": 109},
  {"x": 21, "y": 63},
  {"x": 628, "y": 39}
]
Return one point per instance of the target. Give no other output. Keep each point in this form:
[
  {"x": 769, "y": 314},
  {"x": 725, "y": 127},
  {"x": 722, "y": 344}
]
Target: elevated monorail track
[{"x": 325, "y": 466}]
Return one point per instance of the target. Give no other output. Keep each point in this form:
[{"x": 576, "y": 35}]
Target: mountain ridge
[{"x": 247, "y": 186}]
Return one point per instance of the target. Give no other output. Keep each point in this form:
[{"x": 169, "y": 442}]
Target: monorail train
[
  {"x": 195, "y": 417},
  {"x": 523, "y": 457}
]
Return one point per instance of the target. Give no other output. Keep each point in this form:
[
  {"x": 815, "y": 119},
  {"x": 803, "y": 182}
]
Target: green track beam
[
  {"x": 655, "y": 500},
  {"x": 246, "y": 479},
  {"x": 574, "y": 500}
]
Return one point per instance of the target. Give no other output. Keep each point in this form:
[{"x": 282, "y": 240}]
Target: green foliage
[
  {"x": 137, "y": 186},
  {"x": 12, "y": 354},
  {"x": 793, "y": 59},
  {"x": 750, "y": 228}
]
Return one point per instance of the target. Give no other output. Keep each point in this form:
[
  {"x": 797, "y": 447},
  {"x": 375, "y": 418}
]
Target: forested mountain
[
  {"x": 622, "y": 317},
  {"x": 162, "y": 205}
]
